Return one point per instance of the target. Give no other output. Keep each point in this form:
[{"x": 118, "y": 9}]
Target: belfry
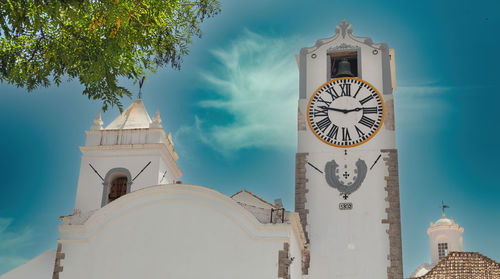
[{"x": 346, "y": 177}]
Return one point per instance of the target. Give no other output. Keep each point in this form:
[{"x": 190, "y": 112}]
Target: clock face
[{"x": 345, "y": 112}]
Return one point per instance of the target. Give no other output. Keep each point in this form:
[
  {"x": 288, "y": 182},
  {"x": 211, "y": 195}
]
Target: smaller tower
[
  {"x": 444, "y": 236},
  {"x": 133, "y": 152}
]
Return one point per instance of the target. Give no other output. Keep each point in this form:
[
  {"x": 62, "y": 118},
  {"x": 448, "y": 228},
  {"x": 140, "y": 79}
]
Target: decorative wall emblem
[{"x": 345, "y": 186}]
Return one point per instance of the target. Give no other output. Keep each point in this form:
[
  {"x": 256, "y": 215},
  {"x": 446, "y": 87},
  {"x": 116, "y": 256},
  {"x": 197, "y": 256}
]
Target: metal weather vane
[
  {"x": 141, "y": 82},
  {"x": 444, "y": 206}
]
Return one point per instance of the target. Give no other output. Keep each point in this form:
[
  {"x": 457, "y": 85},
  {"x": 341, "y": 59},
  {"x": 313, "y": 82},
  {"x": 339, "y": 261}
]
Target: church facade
[{"x": 134, "y": 218}]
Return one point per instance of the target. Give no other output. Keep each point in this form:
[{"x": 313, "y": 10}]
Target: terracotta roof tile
[{"x": 464, "y": 265}]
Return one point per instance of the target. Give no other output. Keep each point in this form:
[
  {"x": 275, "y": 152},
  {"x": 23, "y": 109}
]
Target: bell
[{"x": 344, "y": 69}]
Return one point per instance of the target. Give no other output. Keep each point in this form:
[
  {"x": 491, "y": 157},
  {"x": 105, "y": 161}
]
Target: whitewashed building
[
  {"x": 134, "y": 219},
  {"x": 448, "y": 260},
  {"x": 445, "y": 236}
]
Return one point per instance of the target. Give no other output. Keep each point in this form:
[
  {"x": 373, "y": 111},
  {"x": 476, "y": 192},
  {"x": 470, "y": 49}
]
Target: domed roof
[{"x": 443, "y": 222}]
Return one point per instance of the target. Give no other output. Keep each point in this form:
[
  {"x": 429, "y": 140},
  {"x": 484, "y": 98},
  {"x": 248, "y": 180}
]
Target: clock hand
[
  {"x": 354, "y": 109},
  {"x": 341, "y": 110},
  {"x": 334, "y": 109}
]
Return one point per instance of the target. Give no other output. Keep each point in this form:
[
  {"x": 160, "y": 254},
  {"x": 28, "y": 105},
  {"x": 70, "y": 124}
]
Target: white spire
[
  {"x": 134, "y": 117},
  {"x": 97, "y": 122}
]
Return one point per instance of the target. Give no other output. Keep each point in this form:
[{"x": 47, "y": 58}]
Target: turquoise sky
[{"x": 217, "y": 108}]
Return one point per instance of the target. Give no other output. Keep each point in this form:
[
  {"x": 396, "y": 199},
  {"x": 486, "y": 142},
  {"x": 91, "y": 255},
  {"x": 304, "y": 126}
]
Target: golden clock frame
[{"x": 352, "y": 145}]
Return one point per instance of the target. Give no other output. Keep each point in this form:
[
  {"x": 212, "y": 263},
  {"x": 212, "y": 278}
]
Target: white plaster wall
[
  {"x": 169, "y": 177},
  {"x": 126, "y": 136},
  {"x": 172, "y": 231},
  {"x": 445, "y": 234},
  {"x": 131, "y": 149},
  {"x": 346, "y": 243},
  {"x": 296, "y": 253},
  {"x": 90, "y": 185},
  {"x": 40, "y": 267}
]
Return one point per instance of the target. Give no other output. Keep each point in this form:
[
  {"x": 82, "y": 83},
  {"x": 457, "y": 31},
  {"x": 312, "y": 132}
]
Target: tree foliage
[{"x": 96, "y": 41}]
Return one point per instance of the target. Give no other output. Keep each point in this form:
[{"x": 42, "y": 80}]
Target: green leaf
[{"x": 97, "y": 42}]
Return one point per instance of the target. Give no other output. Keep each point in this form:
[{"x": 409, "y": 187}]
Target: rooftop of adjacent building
[
  {"x": 471, "y": 265},
  {"x": 264, "y": 211}
]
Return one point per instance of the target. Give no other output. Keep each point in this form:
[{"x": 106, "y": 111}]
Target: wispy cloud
[
  {"x": 418, "y": 104},
  {"x": 10, "y": 242},
  {"x": 256, "y": 84},
  {"x": 423, "y": 90}
]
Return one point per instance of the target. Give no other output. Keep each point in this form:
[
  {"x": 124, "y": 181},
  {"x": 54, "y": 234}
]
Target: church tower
[
  {"x": 347, "y": 189},
  {"x": 444, "y": 236},
  {"x": 131, "y": 153}
]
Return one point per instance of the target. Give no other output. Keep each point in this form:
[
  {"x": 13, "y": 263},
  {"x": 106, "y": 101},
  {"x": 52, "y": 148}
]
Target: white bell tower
[
  {"x": 444, "y": 236},
  {"x": 347, "y": 189},
  {"x": 131, "y": 153}
]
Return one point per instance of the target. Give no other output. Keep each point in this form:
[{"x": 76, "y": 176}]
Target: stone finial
[
  {"x": 170, "y": 138},
  {"x": 343, "y": 29},
  {"x": 97, "y": 123},
  {"x": 156, "y": 120}
]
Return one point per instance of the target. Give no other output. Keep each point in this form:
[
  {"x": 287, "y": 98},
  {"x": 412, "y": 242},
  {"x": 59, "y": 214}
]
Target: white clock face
[{"x": 345, "y": 112}]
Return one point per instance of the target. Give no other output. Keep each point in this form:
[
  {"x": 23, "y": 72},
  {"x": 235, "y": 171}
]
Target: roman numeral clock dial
[{"x": 345, "y": 112}]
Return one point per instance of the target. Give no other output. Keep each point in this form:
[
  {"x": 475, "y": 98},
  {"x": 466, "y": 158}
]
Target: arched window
[{"x": 116, "y": 184}]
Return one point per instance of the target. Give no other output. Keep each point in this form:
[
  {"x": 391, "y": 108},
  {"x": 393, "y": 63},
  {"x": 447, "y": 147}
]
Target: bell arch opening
[
  {"x": 116, "y": 184},
  {"x": 343, "y": 64}
]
